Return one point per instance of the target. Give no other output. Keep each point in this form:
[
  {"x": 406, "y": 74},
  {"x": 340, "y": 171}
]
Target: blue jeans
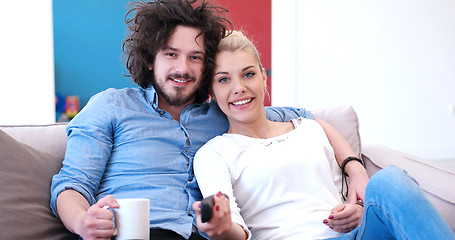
[{"x": 396, "y": 208}]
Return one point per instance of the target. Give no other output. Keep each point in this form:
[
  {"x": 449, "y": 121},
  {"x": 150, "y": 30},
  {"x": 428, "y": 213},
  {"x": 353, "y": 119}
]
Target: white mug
[{"x": 132, "y": 219}]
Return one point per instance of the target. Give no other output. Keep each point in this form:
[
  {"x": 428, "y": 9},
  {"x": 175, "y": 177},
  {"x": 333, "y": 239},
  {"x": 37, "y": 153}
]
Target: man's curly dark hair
[{"x": 150, "y": 24}]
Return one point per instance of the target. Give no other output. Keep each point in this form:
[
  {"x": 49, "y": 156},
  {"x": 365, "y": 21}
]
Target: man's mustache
[{"x": 184, "y": 76}]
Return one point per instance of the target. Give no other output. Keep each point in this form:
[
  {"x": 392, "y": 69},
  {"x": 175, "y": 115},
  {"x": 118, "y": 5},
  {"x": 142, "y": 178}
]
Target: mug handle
[{"x": 113, "y": 218}]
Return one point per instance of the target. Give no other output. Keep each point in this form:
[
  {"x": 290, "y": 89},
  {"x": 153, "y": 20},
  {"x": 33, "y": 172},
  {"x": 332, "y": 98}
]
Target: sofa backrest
[
  {"x": 344, "y": 119},
  {"x": 52, "y": 138},
  {"x": 49, "y": 138}
]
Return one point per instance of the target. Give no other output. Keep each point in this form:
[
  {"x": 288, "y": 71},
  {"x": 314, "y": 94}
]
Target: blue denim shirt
[{"x": 122, "y": 144}]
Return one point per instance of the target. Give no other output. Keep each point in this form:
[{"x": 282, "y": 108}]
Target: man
[{"x": 140, "y": 142}]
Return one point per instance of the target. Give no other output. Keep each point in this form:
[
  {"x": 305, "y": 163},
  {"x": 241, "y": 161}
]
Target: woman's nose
[{"x": 239, "y": 87}]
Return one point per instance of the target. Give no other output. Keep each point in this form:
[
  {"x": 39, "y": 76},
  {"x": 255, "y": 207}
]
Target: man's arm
[
  {"x": 89, "y": 222},
  {"x": 89, "y": 145},
  {"x": 74, "y": 188}
]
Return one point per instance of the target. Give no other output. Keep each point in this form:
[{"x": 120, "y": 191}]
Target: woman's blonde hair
[{"x": 236, "y": 40}]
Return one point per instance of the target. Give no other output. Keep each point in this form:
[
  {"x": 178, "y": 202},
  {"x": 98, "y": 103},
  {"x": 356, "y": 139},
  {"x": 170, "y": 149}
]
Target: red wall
[{"x": 254, "y": 17}]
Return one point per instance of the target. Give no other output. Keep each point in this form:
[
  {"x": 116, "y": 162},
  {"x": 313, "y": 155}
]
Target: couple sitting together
[{"x": 280, "y": 168}]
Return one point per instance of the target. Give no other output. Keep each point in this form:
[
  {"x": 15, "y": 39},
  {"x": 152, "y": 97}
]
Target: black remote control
[{"x": 207, "y": 208}]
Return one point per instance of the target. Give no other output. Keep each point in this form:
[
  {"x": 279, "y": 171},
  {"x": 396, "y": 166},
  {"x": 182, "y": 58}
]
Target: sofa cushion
[
  {"x": 344, "y": 119},
  {"x": 25, "y": 177}
]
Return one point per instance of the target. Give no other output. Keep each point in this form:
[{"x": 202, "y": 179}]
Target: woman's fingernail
[
  {"x": 219, "y": 194},
  {"x": 217, "y": 208},
  {"x": 331, "y": 217},
  {"x": 325, "y": 221}
]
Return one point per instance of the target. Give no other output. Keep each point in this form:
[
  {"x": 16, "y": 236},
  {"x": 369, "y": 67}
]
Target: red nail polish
[
  {"x": 325, "y": 221},
  {"x": 217, "y": 208},
  {"x": 331, "y": 217},
  {"x": 219, "y": 194}
]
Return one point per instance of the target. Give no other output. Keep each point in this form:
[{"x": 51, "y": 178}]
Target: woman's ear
[
  {"x": 211, "y": 94},
  {"x": 264, "y": 77}
]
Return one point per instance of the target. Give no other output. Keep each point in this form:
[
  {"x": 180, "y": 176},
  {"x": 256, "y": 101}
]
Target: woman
[{"x": 282, "y": 179}]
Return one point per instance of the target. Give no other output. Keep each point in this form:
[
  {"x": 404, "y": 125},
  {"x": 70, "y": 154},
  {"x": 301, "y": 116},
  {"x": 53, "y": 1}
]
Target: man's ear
[{"x": 150, "y": 66}]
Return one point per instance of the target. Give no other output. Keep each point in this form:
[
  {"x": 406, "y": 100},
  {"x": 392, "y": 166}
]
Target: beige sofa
[{"x": 31, "y": 155}]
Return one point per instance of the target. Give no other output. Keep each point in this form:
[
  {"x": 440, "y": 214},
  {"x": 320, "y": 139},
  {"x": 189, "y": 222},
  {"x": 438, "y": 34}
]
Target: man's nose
[{"x": 182, "y": 66}]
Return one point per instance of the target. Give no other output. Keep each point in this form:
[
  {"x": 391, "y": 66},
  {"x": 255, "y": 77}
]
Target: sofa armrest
[{"x": 434, "y": 179}]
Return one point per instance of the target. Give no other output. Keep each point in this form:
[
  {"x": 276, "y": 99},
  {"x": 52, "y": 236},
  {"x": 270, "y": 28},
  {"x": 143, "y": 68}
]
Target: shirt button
[
  {"x": 162, "y": 112},
  {"x": 183, "y": 150}
]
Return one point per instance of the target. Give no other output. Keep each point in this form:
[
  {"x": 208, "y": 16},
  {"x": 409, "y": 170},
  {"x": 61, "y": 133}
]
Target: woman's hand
[
  {"x": 221, "y": 217},
  {"x": 344, "y": 217},
  {"x": 358, "y": 180},
  {"x": 220, "y": 226}
]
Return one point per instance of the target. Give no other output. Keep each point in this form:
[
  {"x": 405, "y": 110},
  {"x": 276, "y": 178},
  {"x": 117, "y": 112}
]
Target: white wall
[
  {"x": 26, "y": 63},
  {"x": 394, "y": 61}
]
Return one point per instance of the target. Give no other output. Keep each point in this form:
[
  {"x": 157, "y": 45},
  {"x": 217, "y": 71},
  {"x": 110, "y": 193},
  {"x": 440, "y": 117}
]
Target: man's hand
[
  {"x": 344, "y": 217},
  {"x": 97, "y": 222}
]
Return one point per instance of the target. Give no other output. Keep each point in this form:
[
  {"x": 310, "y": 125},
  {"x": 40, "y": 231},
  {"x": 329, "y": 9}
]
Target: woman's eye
[
  {"x": 170, "y": 54},
  {"x": 248, "y": 74},
  {"x": 222, "y": 80}
]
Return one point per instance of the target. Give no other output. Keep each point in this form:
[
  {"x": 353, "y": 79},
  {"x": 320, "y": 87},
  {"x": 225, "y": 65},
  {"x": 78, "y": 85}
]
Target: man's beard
[{"x": 179, "y": 99}]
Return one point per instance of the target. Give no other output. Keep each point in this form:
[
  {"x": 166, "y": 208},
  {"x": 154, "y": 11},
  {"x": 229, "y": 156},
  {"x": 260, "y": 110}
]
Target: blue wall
[{"x": 88, "y": 37}]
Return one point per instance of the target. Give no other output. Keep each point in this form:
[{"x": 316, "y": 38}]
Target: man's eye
[
  {"x": 170, "y": 54},
  {"x": 196, "y": 57}
]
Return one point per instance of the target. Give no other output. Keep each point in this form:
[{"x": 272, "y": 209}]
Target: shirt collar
[{"x": 152, "y": 96}]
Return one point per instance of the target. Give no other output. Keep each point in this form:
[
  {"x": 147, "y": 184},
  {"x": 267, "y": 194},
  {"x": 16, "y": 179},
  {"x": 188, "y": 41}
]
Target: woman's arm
[
  {"x": 358, "y": 177},
  {"x": 213, "y": 175}
]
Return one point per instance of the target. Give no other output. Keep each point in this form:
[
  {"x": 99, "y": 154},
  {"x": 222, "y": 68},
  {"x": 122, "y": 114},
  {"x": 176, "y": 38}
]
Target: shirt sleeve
[
  {"x": 213, "y": 175},
  {"x": 285, "y": 114},
  {"x": 88, "y": 150}
]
